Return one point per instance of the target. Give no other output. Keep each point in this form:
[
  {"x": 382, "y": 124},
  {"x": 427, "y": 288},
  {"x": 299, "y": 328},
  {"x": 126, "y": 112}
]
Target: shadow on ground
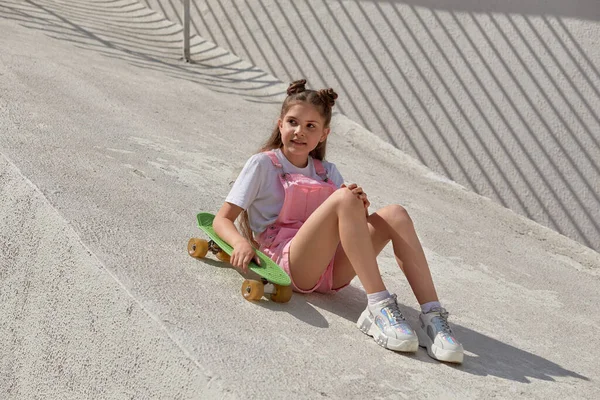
[
  {"x": 128, "y": 31},
  {"x": 484, "y": 355}
]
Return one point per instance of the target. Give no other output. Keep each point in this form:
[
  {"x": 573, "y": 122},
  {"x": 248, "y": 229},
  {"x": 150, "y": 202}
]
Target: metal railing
[{"x": 186, "y": 30}]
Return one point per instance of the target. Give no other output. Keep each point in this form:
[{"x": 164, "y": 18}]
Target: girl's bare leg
[
  {"x": 393, "y": 223},
  {"x": 340, "y": 219}
]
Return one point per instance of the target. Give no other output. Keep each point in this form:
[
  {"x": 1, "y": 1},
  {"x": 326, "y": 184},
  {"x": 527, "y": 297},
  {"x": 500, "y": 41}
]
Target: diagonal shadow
[
  {"x": 414, "y": 92},
  {"x": 390, "y": 109},
  {"x": 580, "y": 9},
  {"x": 460, "y": 107},
  {"x": 485, "y": 356},
  {"x": 145, "y": 40},
  {"x": 327, "y": 58},
  {"x": 564, "y": 196},
  {"x": 432, "y": 78},
  {"x": 508, "y": 125}
]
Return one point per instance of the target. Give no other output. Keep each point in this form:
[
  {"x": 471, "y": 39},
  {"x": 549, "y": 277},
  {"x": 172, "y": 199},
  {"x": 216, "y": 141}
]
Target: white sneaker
[
  {"x": 386, "y": 324},
  {"x": 435, "y": 334}
]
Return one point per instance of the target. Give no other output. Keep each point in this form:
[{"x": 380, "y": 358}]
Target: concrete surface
[
  {"x": 500, "y": 96},
  {"x": 109, "y": 146}
]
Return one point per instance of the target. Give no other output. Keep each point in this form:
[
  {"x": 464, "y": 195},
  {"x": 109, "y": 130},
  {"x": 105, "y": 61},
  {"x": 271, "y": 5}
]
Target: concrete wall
[{"x": 502, "y": 97}]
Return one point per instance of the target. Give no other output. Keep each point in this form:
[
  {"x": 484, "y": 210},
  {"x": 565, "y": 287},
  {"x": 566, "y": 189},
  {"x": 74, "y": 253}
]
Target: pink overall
[{"x": 302, "y": 197}]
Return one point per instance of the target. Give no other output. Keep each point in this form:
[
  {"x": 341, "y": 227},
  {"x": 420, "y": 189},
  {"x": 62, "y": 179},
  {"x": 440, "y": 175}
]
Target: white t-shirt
[{"x": 259, "y": 191}]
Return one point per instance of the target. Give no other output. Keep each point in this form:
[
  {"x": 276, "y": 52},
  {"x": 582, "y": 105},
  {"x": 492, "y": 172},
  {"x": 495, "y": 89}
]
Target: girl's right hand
[
  {"x": 359, "y": 193},
  {"x": 242, "y": 254}
]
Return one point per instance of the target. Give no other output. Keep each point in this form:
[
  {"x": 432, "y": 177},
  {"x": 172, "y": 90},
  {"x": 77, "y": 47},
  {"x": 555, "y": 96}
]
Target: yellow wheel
[
  {"x": 197, "y": 248},
  {"x": 282, "y": 294},
  {"x": 252, "y": 290},
  {"x": 223, "y": 256}
]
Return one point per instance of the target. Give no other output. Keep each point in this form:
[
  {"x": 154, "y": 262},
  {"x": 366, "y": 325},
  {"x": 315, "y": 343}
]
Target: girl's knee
[
  {"x": 397, "y": 215},
  {"x": 345, "y": 197}
]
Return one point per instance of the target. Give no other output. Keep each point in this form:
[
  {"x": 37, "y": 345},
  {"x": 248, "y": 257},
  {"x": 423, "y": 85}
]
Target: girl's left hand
[{"x": 358, "y": 191}]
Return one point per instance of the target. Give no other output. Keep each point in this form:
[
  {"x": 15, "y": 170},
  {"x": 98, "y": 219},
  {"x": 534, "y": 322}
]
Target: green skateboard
[{"x": 274, "y": 280}]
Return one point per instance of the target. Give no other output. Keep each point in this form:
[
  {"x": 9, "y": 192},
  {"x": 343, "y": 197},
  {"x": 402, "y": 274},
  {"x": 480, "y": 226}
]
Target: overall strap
[
  {"x": 283, "y": 176},
  {"x": 320, "y": 170},
  {"x": 274, "y": 159}
]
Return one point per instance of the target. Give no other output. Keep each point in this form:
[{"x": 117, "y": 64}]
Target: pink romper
[{"x": 303, "y": 195}]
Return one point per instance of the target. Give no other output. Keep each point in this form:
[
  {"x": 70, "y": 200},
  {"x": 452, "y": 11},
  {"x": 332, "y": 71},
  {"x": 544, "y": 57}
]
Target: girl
[{"x": 296, "y": 209}]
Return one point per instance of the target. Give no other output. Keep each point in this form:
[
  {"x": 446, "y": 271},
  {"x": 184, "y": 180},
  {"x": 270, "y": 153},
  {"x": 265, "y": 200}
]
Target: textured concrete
[
  {"x": 501, "y": 97},
  {"x": 70, "y": 329},
  {"x": 109, "y": 146}
]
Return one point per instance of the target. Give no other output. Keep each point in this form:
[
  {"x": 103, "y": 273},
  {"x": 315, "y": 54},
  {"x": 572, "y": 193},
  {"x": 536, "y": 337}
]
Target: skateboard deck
[{"x": 274, "y": 280}]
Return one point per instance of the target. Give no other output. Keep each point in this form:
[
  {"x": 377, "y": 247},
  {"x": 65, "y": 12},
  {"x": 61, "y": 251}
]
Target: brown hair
[{"x": 323, "y": 100}]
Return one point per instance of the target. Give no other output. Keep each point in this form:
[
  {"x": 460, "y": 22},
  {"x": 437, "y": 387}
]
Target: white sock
[
  {"x": 377, "y": 297},
  {"x": 425, "y": 308}
]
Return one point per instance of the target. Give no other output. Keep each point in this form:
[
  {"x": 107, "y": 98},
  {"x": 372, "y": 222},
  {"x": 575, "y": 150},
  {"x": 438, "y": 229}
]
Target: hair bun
[
  {"x": 328, "y": 96},
  {"x": 296, "y": 87}
]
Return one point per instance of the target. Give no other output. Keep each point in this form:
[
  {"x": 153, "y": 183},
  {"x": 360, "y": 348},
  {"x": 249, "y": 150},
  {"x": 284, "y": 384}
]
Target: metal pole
[{"x": 186, "y": 30}]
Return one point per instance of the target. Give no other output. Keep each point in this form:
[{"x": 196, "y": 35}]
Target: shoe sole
[
  {"x": 435, "y": 352},
  {"x": 369, "y": 328}
]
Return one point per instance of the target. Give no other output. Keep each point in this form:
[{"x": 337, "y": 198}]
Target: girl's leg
[
  {"x": 408, "y": 251},
  {"x": 340, "y": 219},
  {"x": 393, "y": 223}
]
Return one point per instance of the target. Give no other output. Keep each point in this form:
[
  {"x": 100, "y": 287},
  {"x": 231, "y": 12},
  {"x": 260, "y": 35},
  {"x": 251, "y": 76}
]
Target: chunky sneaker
[
  {"x": 386, "y": 324},
  {"x": 435, "y": 334}
]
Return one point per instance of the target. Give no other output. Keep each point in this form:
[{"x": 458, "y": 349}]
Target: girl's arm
[{"x": 243, "y": 252}]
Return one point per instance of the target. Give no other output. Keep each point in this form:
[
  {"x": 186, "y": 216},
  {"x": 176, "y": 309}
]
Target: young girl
[{"x": 296, "y": 209}]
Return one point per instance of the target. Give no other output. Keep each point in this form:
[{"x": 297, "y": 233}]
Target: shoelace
[
  {"x": 395, "y": 311},
  {"x": 442, "y": 319}
]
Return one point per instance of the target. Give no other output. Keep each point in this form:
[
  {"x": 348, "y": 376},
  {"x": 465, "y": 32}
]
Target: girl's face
[{"x": 302, "y": 129}]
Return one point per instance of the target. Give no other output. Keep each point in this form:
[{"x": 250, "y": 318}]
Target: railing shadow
[
  {"x": 501, "y": 98},
  {"x": 579, "y": 9},
  {"x": 128, "y": 31}
]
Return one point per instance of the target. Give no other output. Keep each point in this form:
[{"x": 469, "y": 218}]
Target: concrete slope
[
  {"x": 118, "y": 145},
  {"x": 70, "y": 329}
]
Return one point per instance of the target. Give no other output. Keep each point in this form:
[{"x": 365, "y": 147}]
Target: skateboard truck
[{"x": 216, "y": 250}]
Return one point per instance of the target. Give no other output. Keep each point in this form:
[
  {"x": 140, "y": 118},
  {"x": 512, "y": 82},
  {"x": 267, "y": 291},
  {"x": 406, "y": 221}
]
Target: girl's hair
[{"x": 323, "y": 100}]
